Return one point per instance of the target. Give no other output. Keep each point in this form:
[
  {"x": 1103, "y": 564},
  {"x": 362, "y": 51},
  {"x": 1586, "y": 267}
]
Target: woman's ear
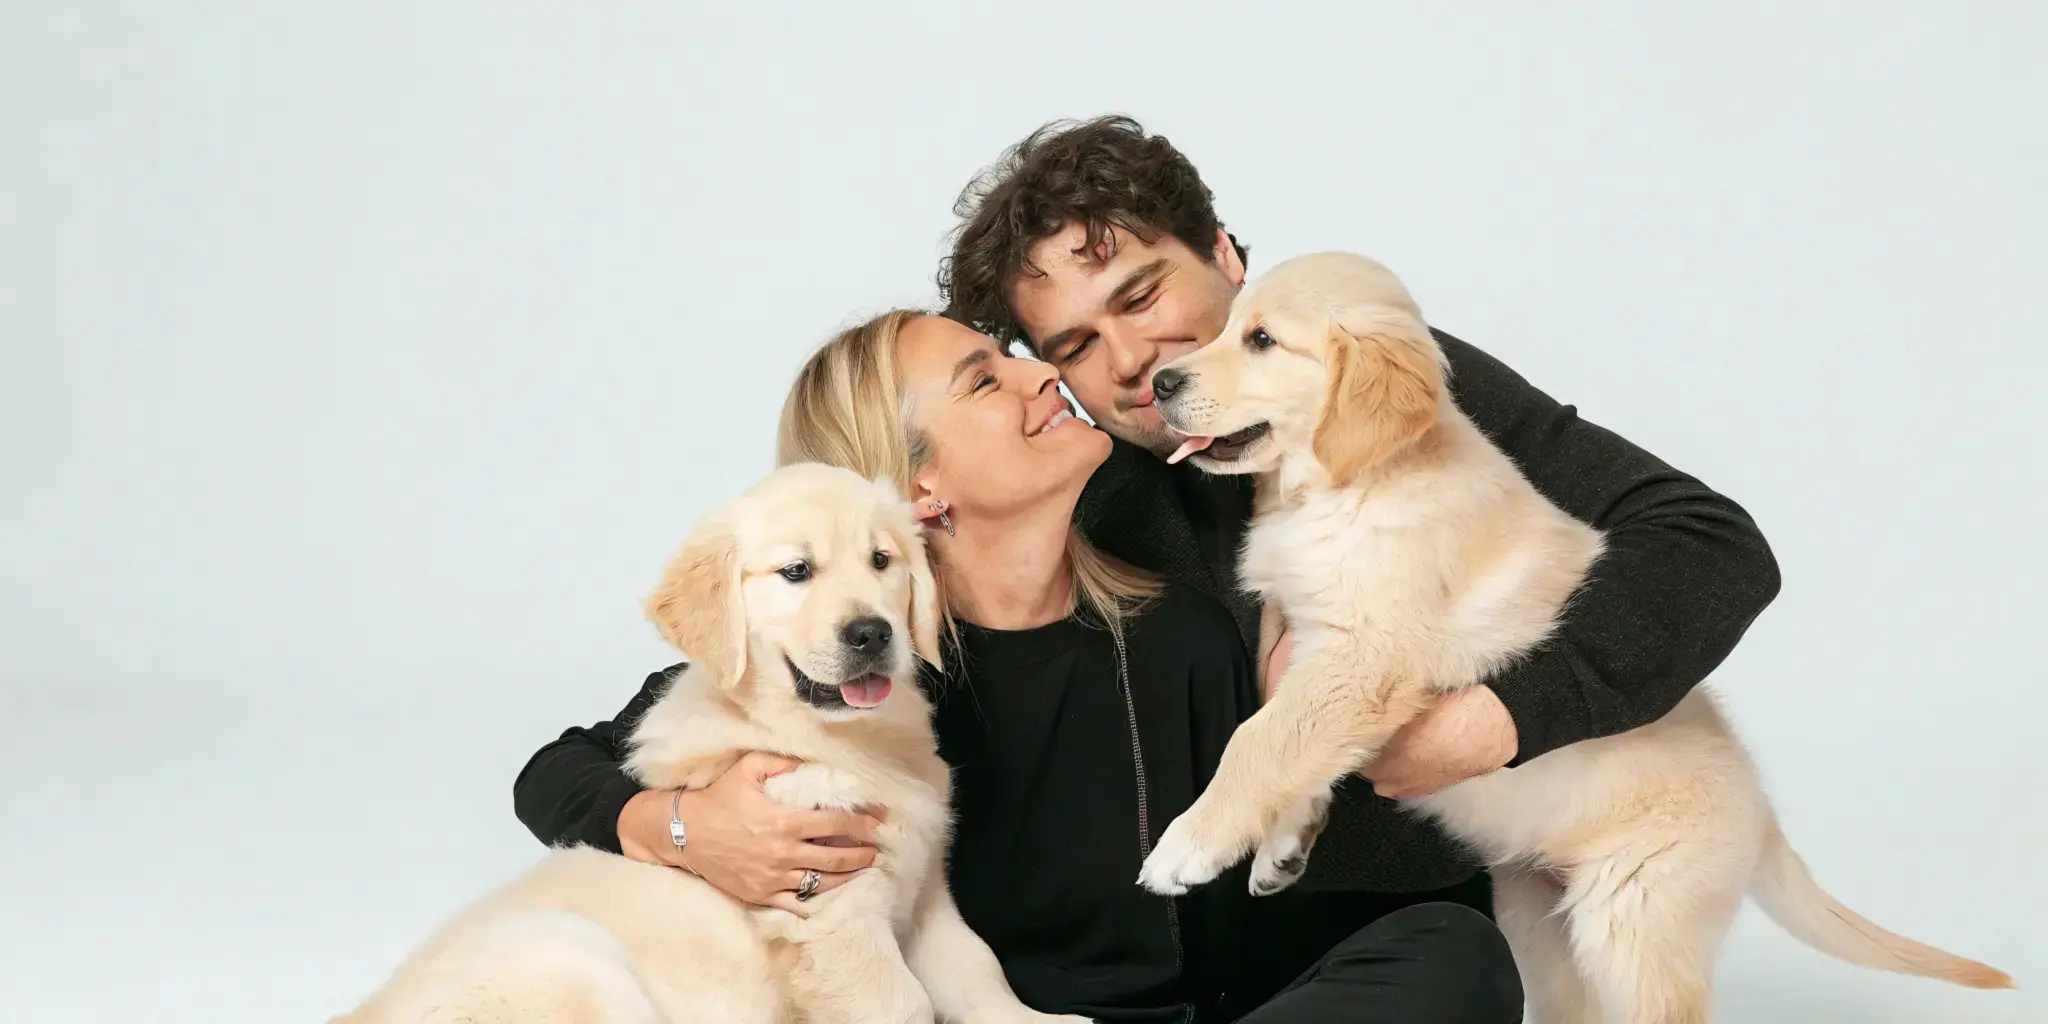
[
  {"x": 1385, "y": 376},
  {"x": 925, "y": 504},
  {"x": 698, "y": 606}
]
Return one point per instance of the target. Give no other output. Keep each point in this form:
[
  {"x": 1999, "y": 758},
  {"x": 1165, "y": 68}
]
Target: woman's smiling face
[{"x": 1004, "y": 440}]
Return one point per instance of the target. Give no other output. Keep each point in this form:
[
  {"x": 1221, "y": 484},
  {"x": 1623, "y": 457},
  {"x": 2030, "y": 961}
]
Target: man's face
[{"x": 1108, "y": 318}]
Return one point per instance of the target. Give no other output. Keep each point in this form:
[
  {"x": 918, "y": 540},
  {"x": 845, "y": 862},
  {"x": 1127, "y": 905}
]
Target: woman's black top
[{"x": 1063, "y": 778}]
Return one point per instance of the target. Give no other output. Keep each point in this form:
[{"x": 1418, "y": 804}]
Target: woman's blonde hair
[{"x": 847, "y": 409}]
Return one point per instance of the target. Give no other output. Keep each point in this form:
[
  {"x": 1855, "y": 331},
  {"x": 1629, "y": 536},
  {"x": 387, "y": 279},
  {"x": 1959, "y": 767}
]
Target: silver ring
[{"x": 807, "y": 886}]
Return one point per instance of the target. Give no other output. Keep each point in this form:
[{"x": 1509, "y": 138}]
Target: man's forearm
[
  {"x": 1685, "y": 573},
  {"x": 1676, "y": 590}
]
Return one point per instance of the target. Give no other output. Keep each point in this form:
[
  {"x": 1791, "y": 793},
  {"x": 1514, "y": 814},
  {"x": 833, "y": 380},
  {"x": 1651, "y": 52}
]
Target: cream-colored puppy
[
  {"x": 802, "y": 605},
  {"x": 1412, "y": 558}
]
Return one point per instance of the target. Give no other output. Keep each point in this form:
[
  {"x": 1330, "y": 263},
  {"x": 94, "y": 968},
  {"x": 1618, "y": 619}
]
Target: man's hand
[{"x": 1464, "y": 735}]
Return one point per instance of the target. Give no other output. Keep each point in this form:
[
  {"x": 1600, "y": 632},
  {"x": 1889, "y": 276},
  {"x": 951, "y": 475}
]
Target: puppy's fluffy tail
[{"x": 1787, "y": 892}]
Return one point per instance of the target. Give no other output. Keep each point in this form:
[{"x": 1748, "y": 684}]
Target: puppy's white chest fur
[
  {"x": 1444, "y": 575},
  {"x": 1318, "y": 559}
]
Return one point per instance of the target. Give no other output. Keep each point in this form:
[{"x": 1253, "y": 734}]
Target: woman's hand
[{"x": 743, "y": 842}]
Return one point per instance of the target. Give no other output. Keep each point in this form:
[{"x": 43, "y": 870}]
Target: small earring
[{"x": 947, "y": 523}]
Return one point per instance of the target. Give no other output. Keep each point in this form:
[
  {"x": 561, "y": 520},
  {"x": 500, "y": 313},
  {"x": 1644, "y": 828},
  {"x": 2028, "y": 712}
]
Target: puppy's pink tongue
[
  {"x": 1189, "y": 447},
  {"x": 865, "y": 692}
]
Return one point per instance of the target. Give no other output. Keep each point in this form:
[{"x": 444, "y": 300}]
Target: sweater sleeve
[
  {"x": 571, "y": 791},
  {"x": 1685, "y": 573}
]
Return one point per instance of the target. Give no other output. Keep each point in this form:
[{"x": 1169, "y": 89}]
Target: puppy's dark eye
[
  {"x": 796, "y": 572},
  {"x": 1259, "y": 339},
  {"x": 881, "y": 560}
]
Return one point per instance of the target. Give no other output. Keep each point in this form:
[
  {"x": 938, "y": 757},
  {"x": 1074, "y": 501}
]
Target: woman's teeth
[{"x": 1057, "y": 418}]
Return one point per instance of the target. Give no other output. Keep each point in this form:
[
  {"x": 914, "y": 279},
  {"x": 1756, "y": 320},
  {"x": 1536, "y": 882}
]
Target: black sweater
[{"x": 1685, "y": 573}]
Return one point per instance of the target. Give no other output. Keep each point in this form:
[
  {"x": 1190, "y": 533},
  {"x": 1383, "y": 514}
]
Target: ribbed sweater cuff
[{"x": 1544, "y": 698}]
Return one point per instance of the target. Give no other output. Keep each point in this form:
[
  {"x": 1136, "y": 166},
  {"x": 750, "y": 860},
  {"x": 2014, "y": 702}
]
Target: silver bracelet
[{"x": 676, "y": 833}]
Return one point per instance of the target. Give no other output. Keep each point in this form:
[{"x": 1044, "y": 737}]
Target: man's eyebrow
[
  {"x": 1123, "y": 290},
  {"x": 1052, "y": 345},
  {"x": 979, "y": 355},
  {"x": 1134, "y": 279}
]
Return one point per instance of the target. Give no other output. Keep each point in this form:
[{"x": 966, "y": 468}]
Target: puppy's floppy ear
[
  {"x": 924, "y": 590},
  {"x": 1385, "y": 378},
  {"x": 924, "y": 596},
  {"x": 698, "y": 606}
]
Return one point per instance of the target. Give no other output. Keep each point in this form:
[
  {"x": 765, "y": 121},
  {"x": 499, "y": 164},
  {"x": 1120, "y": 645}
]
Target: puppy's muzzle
[
  {"x": 867, "y": 644},
  {"x": 1168, "y": 382},
  {"x": 866, "y": 660}
]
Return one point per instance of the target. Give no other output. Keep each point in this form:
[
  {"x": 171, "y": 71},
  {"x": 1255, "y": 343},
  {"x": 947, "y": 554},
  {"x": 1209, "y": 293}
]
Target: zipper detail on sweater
[{"x": 1123, "y": 676}]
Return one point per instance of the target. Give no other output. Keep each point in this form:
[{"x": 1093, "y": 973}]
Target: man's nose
[{"x": 1129, "y": 357}]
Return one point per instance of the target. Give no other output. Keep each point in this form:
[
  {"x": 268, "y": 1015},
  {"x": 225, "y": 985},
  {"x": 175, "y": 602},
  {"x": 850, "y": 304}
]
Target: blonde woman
[{"x": 1087, "y": 703}]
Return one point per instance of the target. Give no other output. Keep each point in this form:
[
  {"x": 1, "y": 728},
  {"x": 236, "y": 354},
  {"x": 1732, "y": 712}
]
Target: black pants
[
  {"x": 1440, "y": 963},
  {"x": 1363, "y": 958}
]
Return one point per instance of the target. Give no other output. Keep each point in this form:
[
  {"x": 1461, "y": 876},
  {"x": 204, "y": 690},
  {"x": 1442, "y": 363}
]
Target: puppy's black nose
[
  {"x": 867, "y": 634},
  {"x": 1166, "y": 382}
]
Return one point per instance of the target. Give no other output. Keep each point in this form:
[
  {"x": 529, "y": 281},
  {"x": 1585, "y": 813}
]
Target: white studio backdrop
[{"x": 363, "y": 362}]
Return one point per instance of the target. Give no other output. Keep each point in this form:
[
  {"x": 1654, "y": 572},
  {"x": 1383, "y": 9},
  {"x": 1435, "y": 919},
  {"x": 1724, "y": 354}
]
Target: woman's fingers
[
  {"x": 831, "y": 859},
  {"x": 759, "y": 765},
  {"x": 827, "y": 880},
  {"x": 785, "y": 898},
  {"x": 827, "y": 824}
]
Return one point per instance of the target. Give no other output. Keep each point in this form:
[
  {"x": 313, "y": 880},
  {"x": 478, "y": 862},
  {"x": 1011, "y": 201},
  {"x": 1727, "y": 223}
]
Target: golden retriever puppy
[
  {"x": 802, "y": 605},
  {"x": 1411, "y": 558}
]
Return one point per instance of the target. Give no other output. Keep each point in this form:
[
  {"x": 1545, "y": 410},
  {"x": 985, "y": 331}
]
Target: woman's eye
[
  {"x": 984, "y": 382},
  {"x": 881, "y": 560},
  {"x": 796, "y": 572},
  {"x": 1259, "y": 339}
]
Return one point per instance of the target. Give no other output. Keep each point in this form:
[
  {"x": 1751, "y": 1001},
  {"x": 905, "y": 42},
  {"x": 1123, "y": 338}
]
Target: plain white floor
[
  {"x": 364, "y": 361},
  {"x": 273, "y": 867}
]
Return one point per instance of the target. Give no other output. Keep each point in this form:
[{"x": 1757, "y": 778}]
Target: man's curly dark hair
[{"x": 1102, "y": 173}]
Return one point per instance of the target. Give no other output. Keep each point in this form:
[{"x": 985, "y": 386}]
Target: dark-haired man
[{"x": 1097, "y": 245}]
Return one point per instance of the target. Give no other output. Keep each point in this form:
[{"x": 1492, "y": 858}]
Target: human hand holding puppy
[
  {"x": 1464, "y": 735},
  {"x": 745, "y": 843}
]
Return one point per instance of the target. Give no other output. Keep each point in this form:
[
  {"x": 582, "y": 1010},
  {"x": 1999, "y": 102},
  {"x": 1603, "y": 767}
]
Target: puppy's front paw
[
  {"x": 1283, "y": 855},
  {"x": 1183, "y": 859},
  {"x": 1281, "y": 863}
]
